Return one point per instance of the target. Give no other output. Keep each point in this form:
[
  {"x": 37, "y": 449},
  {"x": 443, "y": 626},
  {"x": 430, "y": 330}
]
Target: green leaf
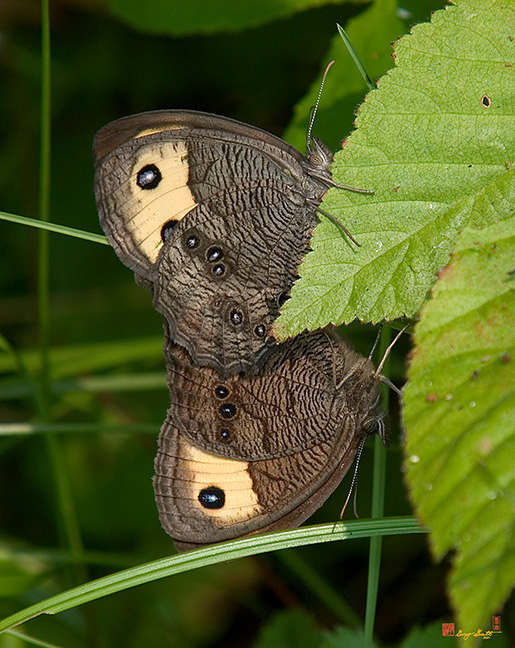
[
  {"x": 345, "y": 638},
  {"x": 290, "y": 629},
  {"x": 435, "y": 142},
  {"x": 194, "y": 16},
  {"x": 429, "y": 637},
  {"x": 459, "y": 416},
  {"x": 371, "y": 34}
]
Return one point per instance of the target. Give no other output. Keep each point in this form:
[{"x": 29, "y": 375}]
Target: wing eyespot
[
  {"x": 228, "y": 410},
  {"x": 212, "y": 497},
  {"x": 167, "y": 228},
  {"x": 148, "y": 177},
  {"x": 191, "y": 240},
  {"x": 214, "y": 254},
  {"x": 236, "y": 317},
  {"x": 221, "y": 392},
  {"x": 260, "y": 331}
]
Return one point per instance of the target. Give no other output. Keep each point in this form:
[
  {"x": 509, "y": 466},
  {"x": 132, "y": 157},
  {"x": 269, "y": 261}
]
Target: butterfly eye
[
  {"x": 316, "y": 159},
  {"x": 148, "y": 177},
  {"x": 167, "y": 228}
]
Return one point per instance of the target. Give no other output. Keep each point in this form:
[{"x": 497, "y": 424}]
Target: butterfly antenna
[
  {"x": 386, "y": 381},
  {"x": 354, "y": 482},
  {"x": 315, "y": 107}
]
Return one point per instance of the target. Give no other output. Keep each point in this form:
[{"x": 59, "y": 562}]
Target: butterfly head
[{"x": 319, "y": 158}]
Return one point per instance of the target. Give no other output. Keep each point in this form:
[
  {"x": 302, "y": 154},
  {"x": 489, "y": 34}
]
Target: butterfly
[
  {"x": 214, "y": 217},
  {"x": 255, "y": 453}
]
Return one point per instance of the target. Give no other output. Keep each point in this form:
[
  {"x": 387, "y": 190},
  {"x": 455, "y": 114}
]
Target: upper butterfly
[{"x": 214, "y": 216}]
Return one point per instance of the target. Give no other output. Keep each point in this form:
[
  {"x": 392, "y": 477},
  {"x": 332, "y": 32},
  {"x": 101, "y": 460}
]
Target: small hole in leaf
[{"x": 486, "y": 102}]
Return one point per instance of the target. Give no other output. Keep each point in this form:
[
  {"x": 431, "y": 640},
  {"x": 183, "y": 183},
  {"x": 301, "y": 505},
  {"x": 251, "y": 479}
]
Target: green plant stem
[
  {"x": 53, "y": 227},
  {"x": 69, "y": 524},
  {"x": 16, "y": 429},
  {"x": 379, "y": 480},
  {"x": 44, "y": 214},
  {"x": 355, "y": 57},
  {"x": 213, "y": 555}
]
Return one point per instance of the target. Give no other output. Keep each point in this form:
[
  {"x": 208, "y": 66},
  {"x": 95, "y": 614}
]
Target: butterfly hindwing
[{"x": 291, "y": 435}]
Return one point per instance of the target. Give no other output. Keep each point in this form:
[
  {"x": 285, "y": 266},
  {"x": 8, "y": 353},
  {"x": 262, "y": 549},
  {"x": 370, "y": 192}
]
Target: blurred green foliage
[{"x": 103, "y": 69}]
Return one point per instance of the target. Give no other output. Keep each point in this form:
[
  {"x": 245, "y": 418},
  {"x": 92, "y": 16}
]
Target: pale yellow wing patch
[
  {"x": 205, "y": 470},
  {"x": 147, "y": 210}
]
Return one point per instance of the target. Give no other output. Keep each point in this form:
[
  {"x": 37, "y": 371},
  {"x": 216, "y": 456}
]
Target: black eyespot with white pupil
[
  {"x": 260, "y": 330},
  {"x": 227, "y": 411},
  {"x": 219, "y": 270},
  {"x": 236, "y": 317},
  {"x": 148, "y": 177},
  {"x": 167, "y": 229},
  {"x": 212, "y": 497},
  {"x": 214, "y": 254},
  {"x": 221, "y": 392},
  {"x": 192, "y": 241},
  {"x": 225, "y": 435}
]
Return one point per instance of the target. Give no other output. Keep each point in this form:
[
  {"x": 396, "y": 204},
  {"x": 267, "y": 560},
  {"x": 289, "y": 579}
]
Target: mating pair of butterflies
[{"x": 214, "y": 217}]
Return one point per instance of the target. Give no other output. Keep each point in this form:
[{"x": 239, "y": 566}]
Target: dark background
[{"x": 102, "y": 70}]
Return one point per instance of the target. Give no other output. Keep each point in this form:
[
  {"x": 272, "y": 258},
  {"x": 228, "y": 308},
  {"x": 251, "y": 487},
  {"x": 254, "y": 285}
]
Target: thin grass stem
[
  {"x": 379, "y": 480},
  {"x": 355, "y": 57},
  {"x": 54, "y": 227},
  {"x": 68, "y": 526},
  {"x": 209, "y": 556}
]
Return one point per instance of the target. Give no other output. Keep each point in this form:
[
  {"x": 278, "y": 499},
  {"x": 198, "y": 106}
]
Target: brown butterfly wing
[
  {"x": 204, "y": 497},
  {"x": 257, "y": 496},
  {"x": 134, "y": 209},
  {"x": 214, "y": 216},
  {"x": 290, "y": 404},
  {"x": 222, "y": 277}
]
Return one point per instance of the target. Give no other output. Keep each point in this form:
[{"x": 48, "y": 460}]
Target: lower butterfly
[{"x": 248, "y": 454}]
